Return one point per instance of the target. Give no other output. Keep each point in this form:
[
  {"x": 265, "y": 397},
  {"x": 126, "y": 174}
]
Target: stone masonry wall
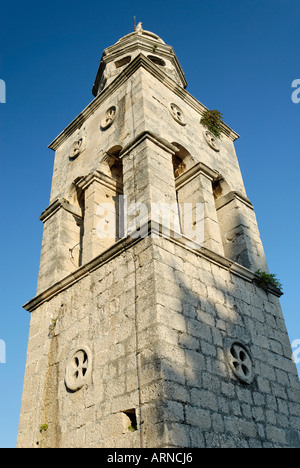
[
  {"x": 156, "y": 320},
  {"x": 112, "y": 312},
  {"x": 200, "y": 307}
]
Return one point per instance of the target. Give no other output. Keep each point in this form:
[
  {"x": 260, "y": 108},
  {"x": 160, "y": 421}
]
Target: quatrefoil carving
[
  {"x": 109, "y": 117},
  {"x": 76, "y": 148},
  {"x": 177, "y": 113},
  {"x": 240, "y": 362},
  {"x": 211, "y": 140},
  {"x": 78, "y": 369}
]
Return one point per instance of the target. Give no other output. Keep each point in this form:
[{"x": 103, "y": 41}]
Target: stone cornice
[
  {"x": 144, "y": 62},
  {"x": 158, "y": 140},
  {"x": 101, "y": 178},
  {"x": 124, "y": 244},
  {"x": 197, "y": 169},
  {"x": 234, "y": 195},
  {"x": 119, "y": 247},
  {"x": 83, "y": 184},
  {"x": 60, "y": 203}
]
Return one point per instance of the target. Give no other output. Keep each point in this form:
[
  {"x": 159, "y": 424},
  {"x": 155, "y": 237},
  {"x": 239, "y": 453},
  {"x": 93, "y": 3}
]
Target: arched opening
[
  {"x": 226, "y": 216},
  {"x": 123, "y": 61},
  {"x": 157, "y": 60},
  {"x": 182, "y": 161},
  {"x": 178, "y": 165},
  {"x": 115, "y": 164},
  {"x": 75, "y": 197},
  {"x": 220, "y": 188},
  {"x": 116, "y": 172}
]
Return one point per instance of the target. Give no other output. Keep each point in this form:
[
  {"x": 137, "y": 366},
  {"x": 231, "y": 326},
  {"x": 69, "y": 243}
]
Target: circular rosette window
[
  {"x": 177, "y": 113},
  {"x": 240, "y": 362},
  {"x": 78, "y": 369},
  {"x": 211, "y": 140},
  {"x": 109, "y": 117},
  {"x": 76, "y": 148}
]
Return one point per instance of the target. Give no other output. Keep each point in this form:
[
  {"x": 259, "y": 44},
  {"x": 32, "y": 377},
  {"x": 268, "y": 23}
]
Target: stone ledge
[
  {"x": 229, "y": 197},
  {"x": 158, "y": 140},
  {"x": 101, "y": 178},
  {"x": 57, "y": 205},
  {"x": 190, "y": 174},
  {"x": 124, "y": 244},
  {"x": 83, "y": 184}
]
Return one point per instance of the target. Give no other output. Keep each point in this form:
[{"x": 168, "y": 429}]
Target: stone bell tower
[{"x": 149, "y": 328}]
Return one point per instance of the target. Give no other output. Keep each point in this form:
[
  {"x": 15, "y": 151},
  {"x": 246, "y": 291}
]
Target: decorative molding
[
  {"x": 126, "y": 243},
  {"x": 234, "y": 195},
  {"x": 197, "y": 169},
  {"x": 144, "y": 62},
  {"x": 83, "y": 183},
  {"x": 60, "y": 203},
  {"x": 158, "y": 140},
  {"x": 109, "y": 159},
  {"x": 101, "y": 178}
]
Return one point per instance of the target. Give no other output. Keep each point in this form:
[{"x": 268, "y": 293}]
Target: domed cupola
[{"x": 118, "y": 56}]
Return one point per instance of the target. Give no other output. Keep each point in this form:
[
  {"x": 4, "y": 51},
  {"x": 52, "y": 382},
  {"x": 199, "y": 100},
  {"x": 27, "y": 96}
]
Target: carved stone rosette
[
  {"x": 177, "y": 113},
  {"x": 109, "y": 117},
  {"x": 211, "y": 140},
  {"x": 240, "y": 362},
  {"x": 78, "y": 369},
  {"x": 77, "y": 148}
]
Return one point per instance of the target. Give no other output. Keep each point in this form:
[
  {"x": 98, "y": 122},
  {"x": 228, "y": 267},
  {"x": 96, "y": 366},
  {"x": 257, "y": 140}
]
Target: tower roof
[
  {"x": 116, "y": 57},
  {"x": 141, "y": 32}
]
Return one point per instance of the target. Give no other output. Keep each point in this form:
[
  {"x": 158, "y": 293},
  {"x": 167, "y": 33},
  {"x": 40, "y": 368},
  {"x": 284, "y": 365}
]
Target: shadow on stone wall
[{"x": 202, "y": 308}]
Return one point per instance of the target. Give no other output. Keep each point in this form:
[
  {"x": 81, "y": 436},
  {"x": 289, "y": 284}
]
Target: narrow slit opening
[{"x": 131, "y": 414}]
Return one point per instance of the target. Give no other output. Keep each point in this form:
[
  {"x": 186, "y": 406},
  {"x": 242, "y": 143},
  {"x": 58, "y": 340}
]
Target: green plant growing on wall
[
  {"x": 43, "y": 427},
  {"x": 265, "y": 279},
  {"x": 212, "y": 120},
  {"x": 131, "y": 428}
]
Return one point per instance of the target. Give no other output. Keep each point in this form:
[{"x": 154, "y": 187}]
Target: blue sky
[{"x": 239, "y": 57}]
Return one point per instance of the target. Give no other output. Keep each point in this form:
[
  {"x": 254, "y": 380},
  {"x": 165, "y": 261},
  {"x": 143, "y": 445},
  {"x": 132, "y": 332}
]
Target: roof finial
[
  {"x": 139, "y": 28},
  {"x": 134, "y": 23}
]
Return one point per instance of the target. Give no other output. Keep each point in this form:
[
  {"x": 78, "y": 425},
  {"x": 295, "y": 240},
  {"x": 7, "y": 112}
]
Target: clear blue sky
[{"x": 239, "y": 57}]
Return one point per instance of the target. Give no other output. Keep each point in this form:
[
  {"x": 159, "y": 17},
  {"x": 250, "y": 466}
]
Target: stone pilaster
[
  {"x": 239, "y": 230},
  {"x": 101, "y": 213},
  {"x": 195, "y": 187},
  {"x": 61, "y": 247}
]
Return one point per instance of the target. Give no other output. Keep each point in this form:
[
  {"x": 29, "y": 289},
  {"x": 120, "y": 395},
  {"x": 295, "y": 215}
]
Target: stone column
[
  {"x": 149, "y": 185},
  {"x": 195, "y": 187},
  {"x": 61, "y": 247},
  {"x": 240, "y": 234},
  {"x": 101, "y": 210}
]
